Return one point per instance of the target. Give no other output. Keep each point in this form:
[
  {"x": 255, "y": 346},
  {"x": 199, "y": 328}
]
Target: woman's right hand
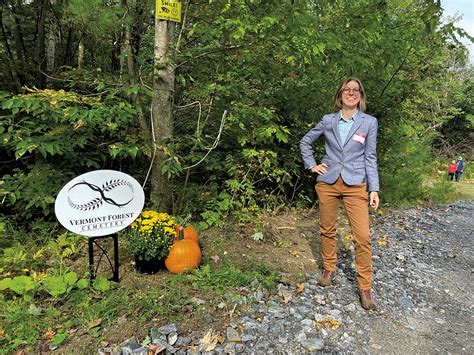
[{"x": 319, "y": 169}]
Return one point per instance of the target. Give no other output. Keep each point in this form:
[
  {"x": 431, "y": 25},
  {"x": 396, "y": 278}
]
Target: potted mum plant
[{"x": 149, "y": 238}]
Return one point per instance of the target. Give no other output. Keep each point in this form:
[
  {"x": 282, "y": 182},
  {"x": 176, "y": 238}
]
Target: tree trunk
[
  {"x": 9, "y": 55},
  {"x": 20, "y": 53},
  {"x": 127, "y": 54},
  {"x": 51, "y": 42},
  {"x": 40, "y": 41},
  {"x": 163, "y": 85},
  {"x": 80, "y": 52}
]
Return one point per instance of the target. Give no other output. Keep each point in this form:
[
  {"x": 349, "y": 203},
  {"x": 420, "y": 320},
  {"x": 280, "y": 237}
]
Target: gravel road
[{"x": 423, "y": 285}]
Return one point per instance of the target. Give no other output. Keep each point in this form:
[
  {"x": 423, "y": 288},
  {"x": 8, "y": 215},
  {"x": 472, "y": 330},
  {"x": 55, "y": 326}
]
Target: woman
[
  {"x": 347, "y": 171},
  {"x": 452, "y": 169}
]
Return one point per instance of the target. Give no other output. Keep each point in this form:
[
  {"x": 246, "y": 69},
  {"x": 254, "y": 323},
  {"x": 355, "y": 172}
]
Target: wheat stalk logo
[{"x": 98, "y": 201}]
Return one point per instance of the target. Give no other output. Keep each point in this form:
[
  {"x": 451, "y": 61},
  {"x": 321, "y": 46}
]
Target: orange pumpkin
[
  {"x": 189, "y": 232},
  {"x": 184, "y": 255}
]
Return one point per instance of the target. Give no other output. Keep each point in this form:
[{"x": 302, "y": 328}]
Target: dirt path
[{"x": 423, "y": 285}]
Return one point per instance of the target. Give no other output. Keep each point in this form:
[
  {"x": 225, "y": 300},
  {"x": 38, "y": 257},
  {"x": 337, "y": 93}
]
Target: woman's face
[{"x": 351, "y": 95}]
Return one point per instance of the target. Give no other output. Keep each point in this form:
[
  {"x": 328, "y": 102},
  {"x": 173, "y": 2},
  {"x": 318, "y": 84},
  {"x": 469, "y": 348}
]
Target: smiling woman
[{"x": 347, "y": 171}]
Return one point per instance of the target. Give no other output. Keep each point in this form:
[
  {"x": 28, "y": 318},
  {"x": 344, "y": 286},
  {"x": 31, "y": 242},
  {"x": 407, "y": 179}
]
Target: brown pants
[{"x": 355, "y": 200}]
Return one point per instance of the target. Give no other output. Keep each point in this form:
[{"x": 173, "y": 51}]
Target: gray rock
[
  {"x": 406, "y": 302},
  {"x": 229, "y": 348},
  {"x": 313, "y": 344},
  {"x": 232, "y": 335},
  {"x": 182, "y": 341},
  {"x": 247, "y": 337},
  {"x": 172, "y": 338},
  {"x": 208, "y": 318},
  {"x": 255, "y": 283},
  {"x": 258, "y": 295},
  {"x": 166, "y": 329}
]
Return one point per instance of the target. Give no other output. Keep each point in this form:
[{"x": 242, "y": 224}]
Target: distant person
[
  {"x": 460, "y": 168},
  {"x": 452, "y": 170},
  {"x": 347, "y": 172}
]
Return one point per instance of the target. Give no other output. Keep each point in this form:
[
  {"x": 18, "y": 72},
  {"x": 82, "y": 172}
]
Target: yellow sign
[{"x": 168, "y": 10}]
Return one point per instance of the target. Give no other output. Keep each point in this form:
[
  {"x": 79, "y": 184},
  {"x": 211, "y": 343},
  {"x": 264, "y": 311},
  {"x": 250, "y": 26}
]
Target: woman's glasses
[{"x": 348, "y": 90}]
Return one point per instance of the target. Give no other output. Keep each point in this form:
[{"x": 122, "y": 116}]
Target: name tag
[{"x": 359, "y": 138}]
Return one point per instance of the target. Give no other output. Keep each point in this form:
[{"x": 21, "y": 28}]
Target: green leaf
[
  {"x": 70, "y": 278},
  {"x": 60, "y": 336},
  {"x": 82, "y": 284},
  {"x": 101, "y": 284},
  {"x": 5, "y": 283},
  {"x": 23, "y": 284},
  {"x": 55, "y": 285}
]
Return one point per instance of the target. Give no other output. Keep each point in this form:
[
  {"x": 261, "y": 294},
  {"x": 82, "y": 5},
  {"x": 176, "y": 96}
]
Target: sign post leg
[{"x": 114, "y": 267}]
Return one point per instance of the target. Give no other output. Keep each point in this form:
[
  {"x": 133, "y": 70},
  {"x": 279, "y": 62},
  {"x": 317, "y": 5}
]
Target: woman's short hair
[{"x": 338, "y": 95}]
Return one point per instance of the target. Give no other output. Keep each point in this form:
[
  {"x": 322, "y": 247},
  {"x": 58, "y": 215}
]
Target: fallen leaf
[
  {"x": 2, "y": 332},
  {"x": 241, "y": 328},
  {"x": 376, "y": 346},
  {"x": 95, "y": 323},
  {"x": 382, "y": 242},
  {"x": 348, "y": 237},
  {"x": 285, "y": 302},
  {"x": 79, "y": 124},
  {"x": 328, "y": 323},
  {"x": 48, "y": 335},
  {"x": 294, "y": 253},
  {"x": 154, "y": 349},
  {"x": 209, "y": 341},
  {"x": 299, "y": 288}
]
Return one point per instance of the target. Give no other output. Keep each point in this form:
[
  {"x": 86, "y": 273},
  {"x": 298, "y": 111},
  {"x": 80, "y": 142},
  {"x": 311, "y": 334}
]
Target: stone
[
  {"x": 182, "y": 341},
  {"x": 255, "y": 283},
  {"x": 239, "y": 347},
  {"x": 229, "y": 348},
  {"x": 300, "y": 337},
  {"x": 406, "y": 302},
  {"x": 166, "y": 329},
  {"x": 350, "y": 307},
  {"x": 258, "y": 295},
  {"x": 232, "y": 335},
  {"x": 247, "y": 337},
  {"x": 172, "y": 338},
  {"x": 208, "y": 318},
  {"x": 313, "y": 344}
]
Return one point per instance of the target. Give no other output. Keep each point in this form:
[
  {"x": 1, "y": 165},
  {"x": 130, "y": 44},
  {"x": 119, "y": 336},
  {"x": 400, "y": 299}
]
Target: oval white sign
[{"x": 99, "y": 203}]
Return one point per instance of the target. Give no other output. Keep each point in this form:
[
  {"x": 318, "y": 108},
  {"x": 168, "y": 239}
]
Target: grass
[
  {"x": 464, "y": 190},
  {"x": 80, "y": 319}
]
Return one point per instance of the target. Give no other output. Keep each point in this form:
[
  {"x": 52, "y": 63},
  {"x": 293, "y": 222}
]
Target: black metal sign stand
[{"x": 114, "y": 267}]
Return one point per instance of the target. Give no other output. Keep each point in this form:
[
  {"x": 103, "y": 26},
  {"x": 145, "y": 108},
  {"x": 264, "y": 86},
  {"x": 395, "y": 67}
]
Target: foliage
[
  {"x": 53, "y": 135},
  {"x": 235, "y": 165},
  {"x": 151, "y": 235}
]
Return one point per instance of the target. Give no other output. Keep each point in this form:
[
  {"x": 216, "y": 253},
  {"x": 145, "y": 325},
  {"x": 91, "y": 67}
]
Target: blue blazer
[{"x": 355, "y": 159}]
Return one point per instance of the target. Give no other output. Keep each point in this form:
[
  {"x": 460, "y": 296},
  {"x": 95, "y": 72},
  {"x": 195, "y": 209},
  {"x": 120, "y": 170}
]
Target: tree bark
[
  {"x": 20, "y": 52},
  {"x": 163, "y": 85},
  {"x": 51, "y": 42},
  {"x": 9, "y": 54},
  {"x": 40, "y": 41},
  {"x": 80, "y": 52}
]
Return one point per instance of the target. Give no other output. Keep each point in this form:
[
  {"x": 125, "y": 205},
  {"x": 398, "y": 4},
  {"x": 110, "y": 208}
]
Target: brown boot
[
  {"x": 367, "y": 300},
  {"x": 326, "y": 278}
]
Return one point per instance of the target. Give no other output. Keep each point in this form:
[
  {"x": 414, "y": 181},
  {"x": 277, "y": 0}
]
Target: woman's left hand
[{"x": 374, "y": 200}]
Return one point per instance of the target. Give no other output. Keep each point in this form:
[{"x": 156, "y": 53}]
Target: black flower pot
[{"x": 149, "y": 266}]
